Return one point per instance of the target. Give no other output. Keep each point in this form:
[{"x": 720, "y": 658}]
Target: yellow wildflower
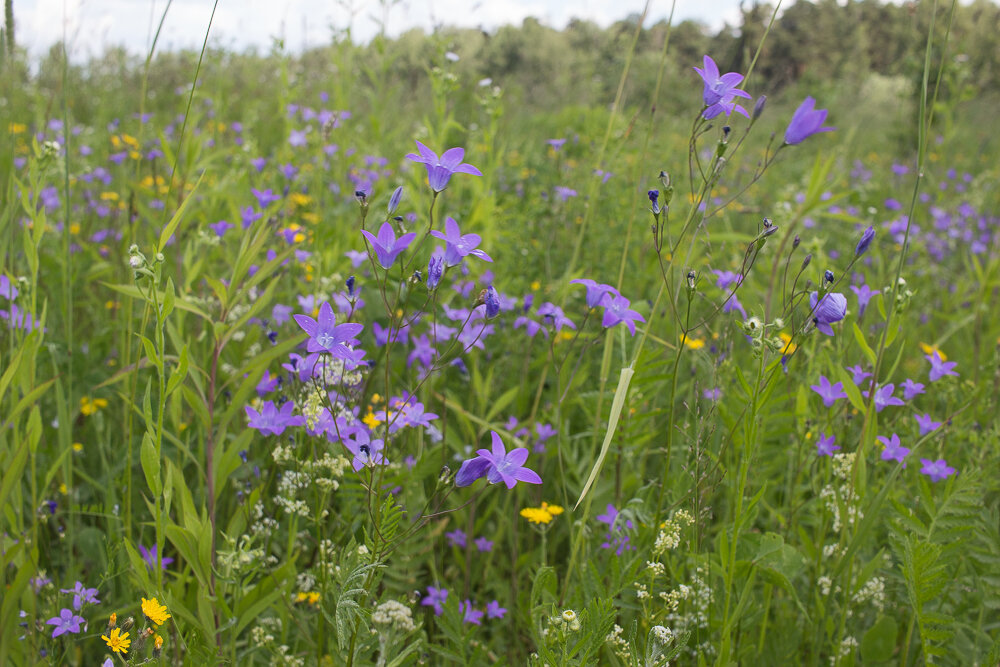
[
  {"x": 535, "y": 286},
  {"x": 89, "y": 406},
  {"x": 790, "y": 347},
  {"x": 117, "y": 642},
  {"x": 154, "y": 611},
  {"x": 77, "y": 447},
  {"x": 16, "y": 128},
  {"x": 693, "y": 343},
  {"x": 931, "y": 349},
  {"x": 543, "y": 514}
]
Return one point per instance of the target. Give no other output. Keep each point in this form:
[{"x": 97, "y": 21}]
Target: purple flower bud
[
  {"x": 758, "y": 107},
  {"x": 828, "y": 276},
  {"x": 394, "y": 200},
  {"x": 866, "y": 240},
  {"x": 435, "y": 269},
  {"x": 492, "y": 301}
]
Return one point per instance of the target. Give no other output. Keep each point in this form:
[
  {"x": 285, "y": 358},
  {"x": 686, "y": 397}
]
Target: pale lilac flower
[
  {"x": 831, "y": 308},
  {"x": 440, "y": 169},
  {"x": 940, "y": 367},
  {"x": 484, "y": 544},
  {"x": 893, "y": 450},
  {"x": 911, "y": 389},
  {"x": 470, "y": 615},
  {"x": 387, "y": 247},
  {"x": 806, "y": 121},
  {"x": 436, "y": 597},
  {"x": 884, "y": 397},
  {"x": 65, "y": 622},
  {"x": 326, "y": 335},
  {"x": 596, "y": 292},
  {"x": 936, "y": 470},
  {"x": 926, "y": 424},
  {"x": 81, "y": 595},
  {"x": 719, "y": 89},
  {"x": 457, "y": 245},
  {"x": 858, "y": 374},
  {"x": 830, "y": 393},
  {"x": 456, "y": 538},
  {"x": 498, "y": 465},
  {"x": 494, "y": 610},
  {"x": 825, "y": 446},
  {"x": 616, "y": 311}
]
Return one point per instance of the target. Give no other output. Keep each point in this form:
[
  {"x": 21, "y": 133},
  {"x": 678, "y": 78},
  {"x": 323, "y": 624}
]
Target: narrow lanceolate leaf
[{"x": 616, "y": 410}]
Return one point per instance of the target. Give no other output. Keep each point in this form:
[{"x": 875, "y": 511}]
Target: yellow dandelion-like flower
[
  {"x": 790, "y": 347},
  {"x": 554, "y": 510},
  {"x": 535, "y": 286},
  {"x": 89, "y": 406},
  {"x": 313, "y": 598},
  {"x": 931, "y": 349},
  {"x": 154, "y": 611},
  {"x": 117, "y": 641},
  {"x": 17, "y": 128},
  {"x": 693, "y": 343},
  {"x": 536, "y": 515},
  {"x": 370, "y": 420}
]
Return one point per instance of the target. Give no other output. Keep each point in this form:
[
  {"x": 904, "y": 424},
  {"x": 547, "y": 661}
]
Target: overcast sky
[{"x": 92, "y": 25}]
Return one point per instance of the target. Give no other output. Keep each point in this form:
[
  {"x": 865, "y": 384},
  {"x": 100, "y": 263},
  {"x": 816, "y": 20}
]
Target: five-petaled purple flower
[
  {"x": 149, "y": 555},
  {"x": 436, "y": 597},
  {"x": 829, "y": 392},
  {"x": 858, "y": 374},
  {"x": 936, "y": 470},
  {"x": 616, "y": 311},
  {"x": 806, "y": 121},
  {"x": 926, "y": 424},
  {"x": 272, "y": 421},
  {"x": 825, "y": 446},
  {"x": 911, "y": 389},
  {"x": 719, "y": 90},
  {"x": 831, "y": 308},
  {"x": 325, "y": 335},
  {"x": 65, "y": 622},
  {"x": 498, "y": 466},
  {"x": 456, "y": 538},
  {"x": 457, "y": 245},
  {"x": 81, "y": 595},
  {"x": 595, "y": 291},
  {"x": 940, "y": 367},
  {"x": 440, "y": 169},
  {"x": 494, "y": 610},
  {"x": 893, "y": 450},
  {"x": 470, "y": 615},
  {"x": 387, "y": 246},
  {"x": 864, "y": 294},
  {"x": 884, "y": 397}
]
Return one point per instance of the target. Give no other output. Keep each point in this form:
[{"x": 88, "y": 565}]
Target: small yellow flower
[
  {"x": 693, "y": 343},
  {"x": 112, "y": 621},
  {"x": 535, "y": 286},
  {"x": 154, "y": 611},
  {"x": 370, "y": 420},
  {"x": 543, "y": 514},
  {"x": 63, "y": 489},
  {"x": 89, "y": 406},
  {"x": 300, "y": 199},
  {"x": 17, "y": 128},
  {"x": 790, "y": 347},
  {"x": 74, "y": 228},
  {"x": 117, "y": 642},
  {"x": 109, "y": 196},
  {"x": 157, "y": 645},
  {"x": 931, "y": 349}
]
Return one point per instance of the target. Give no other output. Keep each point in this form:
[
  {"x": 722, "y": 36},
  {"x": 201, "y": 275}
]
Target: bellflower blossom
[
  {"x": 440, "y": 169},
  {"x": 825, "y": 446},
  {"x": 893, "y": 450},
  {"x": 595, "y": 291},
  {"x": 829, "y": 392},
  {"x": 616, "y": 311},
  {"x": 457, "y": 245},
  {"x": 325, "y": 335},
  {"x": 387, "y": 246},
  {"x": 831, "y": 308},
  {"x": 272, "y": 421},
  {"x": 806, "y": 121},
  {"x": 926, "y": 424},
  {"x": 884, "y": 397},
  {"x": 940, "y": 367},
  {"x": 720, "y": 90},
  {"x": 65, "y": 622},
  {"x": 498, "y": 466},
  {"x": 436, "y": 597},
  {"x": 936, "y": 470}
]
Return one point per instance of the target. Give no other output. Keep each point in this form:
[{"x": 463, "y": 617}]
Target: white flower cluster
[
  {"x": 262, "y": 525},
  {"x": 670, "y": 532},
  {"x": 873, "y": 591},
  {"x": 619, "y": 645},
  {"x": 847, "y": 647},
  {"x": 394, "y": 615}
]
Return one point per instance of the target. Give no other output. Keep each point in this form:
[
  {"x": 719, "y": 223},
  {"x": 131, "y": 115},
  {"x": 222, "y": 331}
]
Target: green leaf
[
  {"x": 860, "y": 337},
  {"x": 171, "y": 226},
  {"x": 150, "y": 465},
  {"x": 616, "y": 410}
]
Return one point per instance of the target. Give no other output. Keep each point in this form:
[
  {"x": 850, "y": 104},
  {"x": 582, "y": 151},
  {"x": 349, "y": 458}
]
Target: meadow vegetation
[{"x": 625, "y": 346}]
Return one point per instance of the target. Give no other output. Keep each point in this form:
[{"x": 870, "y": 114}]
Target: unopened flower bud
[
  {"x": 397, "y": 195},
  {"x": 828, "y": 276},
  {"x": 758, "y": 107},
  {"x": 796, "y": 241},
  {"x": 362, "y": 197},
  {"x": 691, "y": 278},
  {"x": 444, "y": 474},
  {"x": 805, "y": 262}
]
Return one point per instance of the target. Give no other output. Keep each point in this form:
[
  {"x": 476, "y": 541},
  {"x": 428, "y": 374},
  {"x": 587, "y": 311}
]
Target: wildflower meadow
[{"x": 404, "y": 353}]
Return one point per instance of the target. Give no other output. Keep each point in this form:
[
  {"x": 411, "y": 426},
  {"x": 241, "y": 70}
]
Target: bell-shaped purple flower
[
  {"x": 866, "y": 240},
  {"x": 831, "y": 308},
  {"x": 440, "y": 169},
  {"x": 458, "y": 246},
  {"x": 498, "y": 465},
  {"x": 387, "y": 247},
  {"x": 806, "y": 121}
]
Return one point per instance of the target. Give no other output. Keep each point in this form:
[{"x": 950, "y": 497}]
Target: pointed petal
[
  {"x": 499, "y": 451},
  {"x": 452, "y": 158},
  {"x": 527, "y": 475},
  {"x": 307, "y": 323}
]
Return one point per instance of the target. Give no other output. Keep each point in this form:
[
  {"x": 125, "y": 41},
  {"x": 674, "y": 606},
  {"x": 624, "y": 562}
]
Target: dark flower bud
[
  {"x": 725, "y": 131},
  {"x": 758, "y": 107},
  {"x": 397, "y": 194},
  {"x": 129, "y": 622},
  {"x": 350, "y": 286},
  {"x": 805, "y": 262},
  {"x": 361, "y": 196},
  {"x": 489, "y": 298},
  {"x": 866, "y": 240},
  {"x": 828, "y": 276},
  {"x": 654, "y": 196},
  {"x": 691, "y": 279},
  {"x": 444, "y": 474},
  {"x": 796, "y": 242}
]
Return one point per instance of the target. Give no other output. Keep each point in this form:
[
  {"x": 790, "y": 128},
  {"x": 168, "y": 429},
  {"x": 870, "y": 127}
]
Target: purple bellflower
[
  {"x": 936, "y": 470},
  {"x": 720, "y": 90},
  {"x": 387, "y": 246},
  {"x": 825, "y": 446},
  {"x": 884, "y": 397},
  {"x": 940, "y": 367},
  {"x": 436, "y": 597},
  {"x": 806, "y": 121},
  {"x": 325, "y": 335},
  {"x": 470, "y": 615},
  {"x": 911, "y": 389},
  {"x": 893, "y": 450},
  {"x": 440, "y": 169},
  {"x": 831, "y": 308},
  {"x": 926, "y": 424},
  {"x": 494, "y": 610},
  {"x": 272, "y": 421},
  {"x": 149, "y": 555},
  {"x": 498, "y": 466},
  {"x": 616, "y": 311},
  {"x": 65, "y": 622},
  {"x": 595, "y": 291},
  {"x": 866, "y": 240},
  {"x": 457, "y": 245},
  {"x": 829, "y": 392}
]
